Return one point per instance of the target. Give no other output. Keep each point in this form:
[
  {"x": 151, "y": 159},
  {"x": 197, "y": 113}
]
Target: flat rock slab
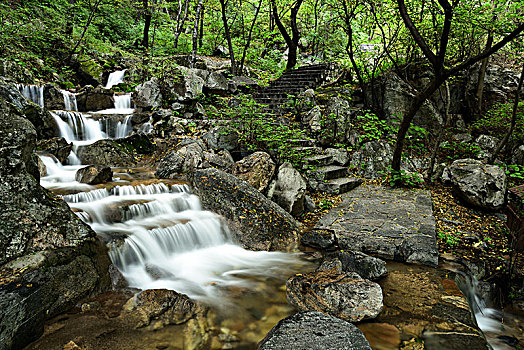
[{"x": 395, "y": 224}]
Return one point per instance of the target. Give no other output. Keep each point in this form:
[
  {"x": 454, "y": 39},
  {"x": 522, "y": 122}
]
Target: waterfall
[
  {"x": 33, "y": 93},
  {"x": 115, "y": 78},
  {"x": 78, "y": 128},
  {"x": 123, "y": 128},
  {"x": 122, "y": 101},
  {"x": 69, "y": 101}
]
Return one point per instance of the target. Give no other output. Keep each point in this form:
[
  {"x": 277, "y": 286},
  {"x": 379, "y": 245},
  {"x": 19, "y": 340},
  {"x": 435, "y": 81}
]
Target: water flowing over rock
[
  {"x": 257, "y": 169},
  {"x": 289, "y": 189},
  {"x": 94, "y": 99},
  {"x": 315, "y": 331},
  {"x": 49, "y": 259},
  {"x": 478, "y": 184},
  {"x": 346, "y": 295},
  {"x": 105, "y": 152},
  {"x": 57, "y": 146},
  {"x": 53, "y": 98},
  {"x": 366, "y": 266},
  {"x": 258, "y": 223},
  {"x": 94, "y": 174}
]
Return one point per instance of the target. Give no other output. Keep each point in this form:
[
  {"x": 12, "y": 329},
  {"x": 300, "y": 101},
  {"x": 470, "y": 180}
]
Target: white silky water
[
  {"x": 33, "y": 93},
  {"x": 115, "y": 78},
  {"x": 69, "y": 101}
]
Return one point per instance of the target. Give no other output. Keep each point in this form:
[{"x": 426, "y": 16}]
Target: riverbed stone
[
  {"x": 396, "y": 224},
  {"x": 344, "y": 295},
  {"x": 366, "y": 266},
  {"x": 258, "y": 169},
  {"x": 479, "y": 184},
  {"x": 319, "y": 239},
  {"x": 316, "y": 331},
  {"x": 57, "y": 146},
  {"x": 256, "y": 222},
  {"x": 105, "y": 152},
  {"x": 94, "y": 99},
  {"x": 94, "y": 174}
]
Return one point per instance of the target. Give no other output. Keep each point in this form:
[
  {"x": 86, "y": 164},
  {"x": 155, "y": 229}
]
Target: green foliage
[
  {"x": 449, "y": 238},
  {"x": 496, "y": 122},
  {"x": 453, "y": 150},
  {"x": 372, "y": 128},
  {"x": 402, "y": 178},
  {"x": 325, "y": 204},
  {"x": 514, "y": 173}
]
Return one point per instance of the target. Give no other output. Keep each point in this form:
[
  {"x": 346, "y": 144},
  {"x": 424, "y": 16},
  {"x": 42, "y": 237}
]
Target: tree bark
[
  {"x": 195, "y": 33},
  {"x": 292, "y": 42},
  {"x": 92, "y": 13},
  {"x": 228, "y": 36},
  {"x": 482, "y": 75},
  {"x": 147, "y": 24},
  {"x": 441, "y": 131},
  {"x": 248, "y": 41},
  {"x": 180, "y": 20},
  {"x": 513, "y": 119}
]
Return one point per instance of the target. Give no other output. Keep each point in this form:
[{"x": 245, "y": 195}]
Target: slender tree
[
  {"x": 195, "y": 32},
  {"x": 228, "y": 36},
  {"x": 291, "y": 41}
]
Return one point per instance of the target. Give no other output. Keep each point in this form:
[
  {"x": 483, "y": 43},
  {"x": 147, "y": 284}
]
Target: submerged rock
[
  {"x": 315, "y": 331},
  {"x": 257, "y": 169},
  {"x": 346, "y": 295},
  {"x": 481, "y": 185},
  {"x": 94, "y": 174},
  {"x": 258, "y": 223}
]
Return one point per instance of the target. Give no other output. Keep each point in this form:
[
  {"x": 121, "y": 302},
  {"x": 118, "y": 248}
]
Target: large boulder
[
  {"x": 373, "y": 159},
  {"x": 190, "y": 156},
  {"x": 517, "y": 157},
  {"x": 94, "y": 99},
  {"x": 49, "y": 258},
  {"x": 57, "y": 146},
  {"x": 314, "y": 331},
  {"x": 53, "y": 98},
  {"x": 94, "y": 174},
  {"x": 222, "y": 137},
  {"x": 478, "y": 184},
  {"x": 184, "y": 85},
  {"x": 391, "y": 96},
  {"x": 258, "y": 169},
  {"x": 148, "y": 95},
  {"x": 257, "y": 223},
  {"x": 105, "y": 152},
  {"x": 15, "y": 73},
  {"x": 289, "y": 189},
  {"x": 221, "y": 160},
  {"x": 346, "y": 296}
]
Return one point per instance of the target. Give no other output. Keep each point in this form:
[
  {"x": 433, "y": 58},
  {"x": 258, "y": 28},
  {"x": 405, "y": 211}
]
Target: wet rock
[
  {"x": 319, "y": 239},
  {"x": 366, "y": 266},
  {"x": 105, "y": 152},
  {"x": 42, "y": 169},
  {"x": 94, "y": 99},
  {"x": 158, "y": 308},
  {"x": 478, "y": 184},
  {"x": 94, "y": 174},
  {"x": 315, "y": 331},
  {"x": 381, "y": 335},
  {"x": 222, "y": 137},
  {"x": 139, "y": 143},
  {"x": 257, "y": 223},
  {"x": 289, "y": 189},
  {"x": 221, "y": 160},
  {"x": 57, "y": 146},
  {"x": 373, "y": 159},
  {"x": 257, "y": 169},
  {"x": 53, "y": 98},
  {"x": 147, "y": 95},
  {"x": 346, "y": 296}
]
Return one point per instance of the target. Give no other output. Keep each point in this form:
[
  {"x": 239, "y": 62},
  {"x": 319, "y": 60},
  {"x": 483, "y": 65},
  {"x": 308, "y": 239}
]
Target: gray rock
[
  {"x": 56, "y": 146},
  {"x": 258, "y": 169},
  {"x": 340, "y": 155},
  {"x": 94, "y": 99},
  {"x": 148, "y": 94},
  {"x": 309, "y": 204},
  {"x": 160, "y": 307},
  {"x": 312, "y": 118},
  {"x": 373, "y": 159},
  {"x": 517, "y": 156},
  {"x": 487, "y": 143},
  {"x": 395, "y": 224},
  {"x": 256, "y": 222},
  {"x": 241, "y": 83},
  {"x": 478, "y": 184},
  {"x": 105, "y": 152},
  {"x": 216, "y": 83},
  {"x": 315, "y": 331},
  {"x": 221, "y": 160},
  {"x": 364, "y": 265},
  {"x": 15, "y": 72},
  {"x": 189, "y": 157},
  {"x": 94, "y": 174},
  {"x": 346, "y": 296},
  {"x": 42, "y": 169},
  {"x": 48, "y": 257},
  {"x": 222, "y": 137},
  {"x": 464, "y": 137},
  {"x": 288, "y": 190},
  {"x": 53, "y": 98},
  {"x": 319, "y": 239}
]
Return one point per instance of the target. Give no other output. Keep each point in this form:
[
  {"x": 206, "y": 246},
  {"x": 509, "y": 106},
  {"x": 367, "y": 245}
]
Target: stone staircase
[
  {"x": 322, "y": 172},
  {"x": 280, "y": 94}
]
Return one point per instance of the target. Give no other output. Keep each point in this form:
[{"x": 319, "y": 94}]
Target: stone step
[
  {"x": 328, "y": 172},
  {"x": 305, "y": 150},
  {"x": 319, "y": 160},
  {"x": 301, "y": 142},
  {"x": 339, "y": 185}
]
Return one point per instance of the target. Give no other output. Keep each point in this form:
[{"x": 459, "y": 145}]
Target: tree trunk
[
  {"x": 70, "y": 19},
  {"x": 292, "y": 42},
  {"x": 180, "y": 20},
  {"x": 441, "y": 131},
  {"x": 195, "y": 33},
  {"x": 201, "y": 31},
  {"x": 147, "y": 24},
  {"x": 248, "y": 41},
  {"x": 482, "y": 75},
  {"x": 228, "y": 36},
  {"x": 513, "y": 119},
  {"x": 94, "y": 8}
]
